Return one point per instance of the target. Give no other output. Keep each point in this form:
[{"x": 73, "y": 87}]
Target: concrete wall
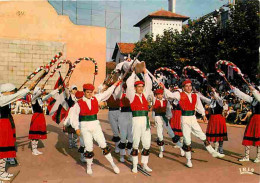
[{"x": 37, "y": 21}]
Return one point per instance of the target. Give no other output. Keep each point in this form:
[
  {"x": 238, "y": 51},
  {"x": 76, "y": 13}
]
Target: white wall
[
  {"x": 159, "y": 25},
  {"x": 145, "y": 28}
]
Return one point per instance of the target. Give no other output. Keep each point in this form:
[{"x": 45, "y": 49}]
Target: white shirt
[
  {"x": 176, "y": 95},
  {"x": 7, "y": 99},
  {"x": 75, "y": 110},
  {"x": 246, "y": 97},
  {"x": 211, "y": 102}
]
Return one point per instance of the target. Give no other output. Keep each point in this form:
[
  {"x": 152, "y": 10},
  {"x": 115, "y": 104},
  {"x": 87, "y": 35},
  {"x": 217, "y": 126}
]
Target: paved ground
[{"x": 59, "y": 164}]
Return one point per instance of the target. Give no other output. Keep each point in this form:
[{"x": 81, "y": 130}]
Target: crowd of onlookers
[
  {"x": 25, "y": 107},
  {"x": 235, "y": 110}
]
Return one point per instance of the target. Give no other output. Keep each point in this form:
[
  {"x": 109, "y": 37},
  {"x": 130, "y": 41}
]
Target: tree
[
  {"x": 240, "y": 37},
  {"x": 204, "y": 41}
]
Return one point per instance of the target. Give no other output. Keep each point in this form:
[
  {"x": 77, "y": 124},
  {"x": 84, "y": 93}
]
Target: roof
[
  {"x": 162, "y": 14},
  {"x": 124, "y": 48}
]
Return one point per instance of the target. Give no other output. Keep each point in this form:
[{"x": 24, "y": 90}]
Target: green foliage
[{"x": 204, "y": 41}]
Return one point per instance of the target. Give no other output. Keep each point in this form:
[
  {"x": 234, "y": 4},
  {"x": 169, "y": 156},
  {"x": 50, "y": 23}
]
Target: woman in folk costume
[
  {"x": 7, "y": 140},
  {"x": 175, "y": 121},
  {"x": 84, "y": 121},
  {"x": 137, "y": 93},
  {"x": 38, "y": 124},
  {"x": 125, "y": 126},
  {"x": 189, "y": 103},
  {"x": 252, "y": 132},
  {"x": 162, "y": 114},
  {"x": 217, "y": 128},
  {"x": 71, "y": 99}
]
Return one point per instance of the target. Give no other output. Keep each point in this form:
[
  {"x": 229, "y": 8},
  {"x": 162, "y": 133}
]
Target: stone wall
[{"x": 19, "y": 58}]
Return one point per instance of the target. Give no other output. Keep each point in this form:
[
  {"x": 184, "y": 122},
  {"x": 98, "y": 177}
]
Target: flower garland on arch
[
  {"x": 168, "y": 70},
  {"x": 58, "y": 66},
  {"x": 233, "y": 66},
  {"x": 86, "y": 59},
  {"x": 186, "y": 68}
]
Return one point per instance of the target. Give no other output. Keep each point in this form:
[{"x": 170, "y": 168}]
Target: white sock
[{"x": 110, "y": 159}]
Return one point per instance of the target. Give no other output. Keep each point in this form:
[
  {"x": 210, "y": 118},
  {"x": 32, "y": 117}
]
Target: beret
[{"x": 89, "y": 87}]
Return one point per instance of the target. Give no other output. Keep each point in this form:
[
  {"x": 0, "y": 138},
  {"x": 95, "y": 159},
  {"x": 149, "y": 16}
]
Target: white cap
[
  {"x": 73, "y": 86},
  {"x": 7, "y": 87}
]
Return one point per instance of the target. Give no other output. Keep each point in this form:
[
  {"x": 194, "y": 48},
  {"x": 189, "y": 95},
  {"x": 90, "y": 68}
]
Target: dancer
[
  {"x": 189, "y": 102},
  {"x": 162, "y": 115},
  {"x": 7, "y": 140},
  {"x": 217, "y": 128},
  {"x": 38, "y": 124},
  {"x": 252, "y": 132},
  {"x": 84, "y": 121},
  {"x": 137, "y": 93}
]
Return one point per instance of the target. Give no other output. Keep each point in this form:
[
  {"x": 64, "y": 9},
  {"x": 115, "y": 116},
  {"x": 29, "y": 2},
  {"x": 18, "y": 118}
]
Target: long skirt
[
  {"x": 38, "y": 127},
  {"x": 7, "y": 141},
  {"x": 217, "y": 128},
  {"x": 252, "y": 132}
]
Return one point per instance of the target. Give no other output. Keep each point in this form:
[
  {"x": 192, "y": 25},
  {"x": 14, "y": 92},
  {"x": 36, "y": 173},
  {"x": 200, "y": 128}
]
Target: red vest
[
  {"x": 84, "y": 110},
  {"x": 185, "y": 102},
  {"x": 137, "y": 105},
  {"x": 124, "y": 101},
  {"x": 158, "y": 108},
  {"x": 112, "y": 103}
]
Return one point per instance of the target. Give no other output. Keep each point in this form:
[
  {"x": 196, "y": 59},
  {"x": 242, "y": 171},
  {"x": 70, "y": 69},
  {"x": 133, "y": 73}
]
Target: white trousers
[
  {"x": 190, "y": 125},
  {"x": 141, "y": 133},
  {"x": 125, "y": 127},
  {"x": 160, "y": 124},
  {"x": 113, "y": 120},
  {"x": 92, "y": 130}
]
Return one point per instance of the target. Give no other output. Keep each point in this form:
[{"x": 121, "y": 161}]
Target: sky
[{"x": 132, "y": 11}]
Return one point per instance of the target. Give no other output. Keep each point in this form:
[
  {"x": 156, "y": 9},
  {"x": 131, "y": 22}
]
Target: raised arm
[
  {"x": 219, "y": 99},
  {"x": 36, "y": 95},
  {"x": 118, "y": 91},
  {"x": 256, "y": 95},
  {"x": 130, "y": 90},
  {"x": 171, "y": 96},
  {"x": 242, "y": 95},
  {"x": 50, "y": 95},
  {"x": 148, "y": 85},
  {"x": 106, "y": 94},
  {"x": 7, "y": 99},
  {"x": 203, "y": 98}
]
